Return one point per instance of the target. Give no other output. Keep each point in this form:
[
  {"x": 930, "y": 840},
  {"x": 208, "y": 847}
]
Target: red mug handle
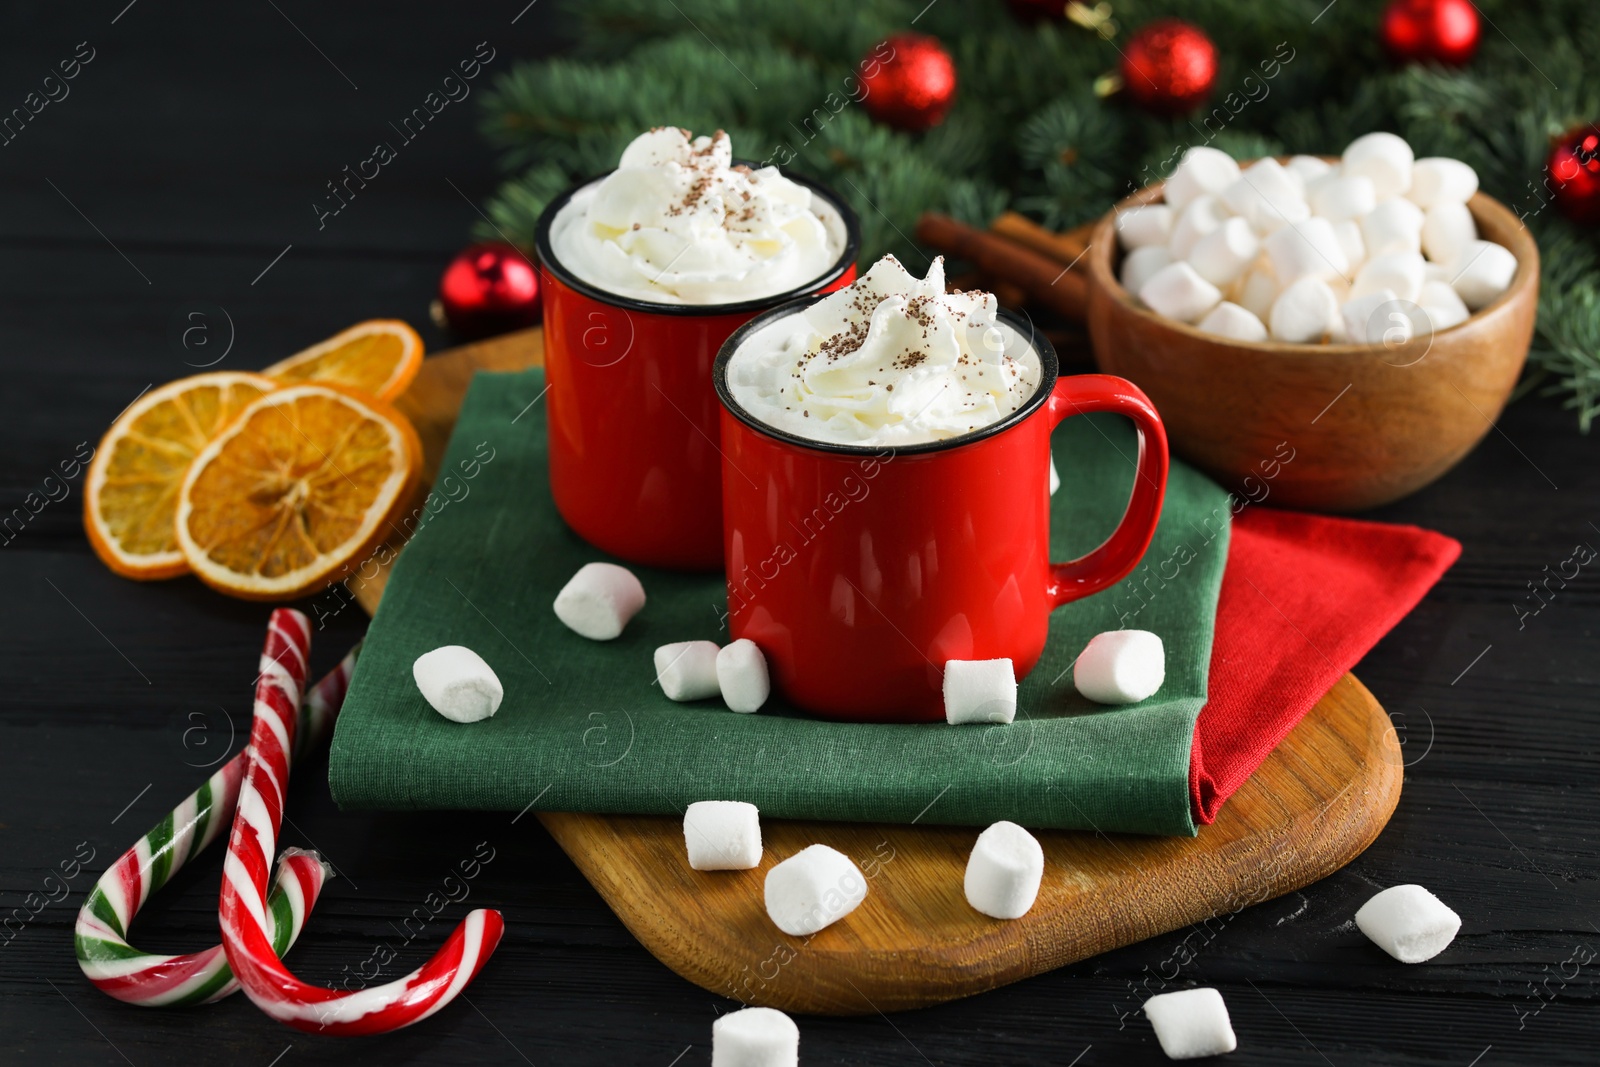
[{"x": 1121, "y": 552}]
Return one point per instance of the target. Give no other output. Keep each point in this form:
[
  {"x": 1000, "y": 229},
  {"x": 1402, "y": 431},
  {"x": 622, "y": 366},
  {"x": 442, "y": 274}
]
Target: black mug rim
[
  {"x": 1049, "y": 371},
  {"x": 549, "y": 261}
]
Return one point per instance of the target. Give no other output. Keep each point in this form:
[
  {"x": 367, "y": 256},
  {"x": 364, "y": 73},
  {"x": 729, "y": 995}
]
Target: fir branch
[
  {"x": 1567, "y": 340},
  {"x": 1027, "y": 133}
]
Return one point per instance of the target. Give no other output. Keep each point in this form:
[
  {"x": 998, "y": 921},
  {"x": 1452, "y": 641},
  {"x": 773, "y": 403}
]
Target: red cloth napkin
[{"x": 1303, "y": 598}]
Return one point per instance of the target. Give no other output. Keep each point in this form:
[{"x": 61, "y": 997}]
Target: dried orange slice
[
  {"x": 379, "y": 356},
  {"x": 131, "y": 493},
  {"x": 301, "y": 487}
]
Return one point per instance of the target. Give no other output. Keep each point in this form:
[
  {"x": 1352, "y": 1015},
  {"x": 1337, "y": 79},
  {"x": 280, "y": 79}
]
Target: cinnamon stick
[
  {"x": 1046, "y": 282},
  {"x": 1064, "y": 248}
]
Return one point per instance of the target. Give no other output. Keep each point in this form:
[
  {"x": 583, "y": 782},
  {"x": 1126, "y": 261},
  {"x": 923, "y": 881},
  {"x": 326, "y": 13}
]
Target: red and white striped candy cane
[
  {"x": 151, "y": 980},
  {"x": 246, "y": 935}
]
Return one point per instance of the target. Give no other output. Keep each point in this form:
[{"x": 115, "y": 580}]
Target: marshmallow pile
[{"x": 1375, "y": 249}]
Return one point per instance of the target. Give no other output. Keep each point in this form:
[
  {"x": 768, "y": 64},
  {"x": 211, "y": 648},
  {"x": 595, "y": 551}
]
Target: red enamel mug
[
  {"x": 634, "y": 468},
  {"x": 860, "y": 571}
]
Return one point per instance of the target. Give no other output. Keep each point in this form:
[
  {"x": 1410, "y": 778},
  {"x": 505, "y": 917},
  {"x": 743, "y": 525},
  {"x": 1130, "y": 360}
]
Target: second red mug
[
  {"x": 634, "y": 468},
  {"x": 860, "y": 571}
]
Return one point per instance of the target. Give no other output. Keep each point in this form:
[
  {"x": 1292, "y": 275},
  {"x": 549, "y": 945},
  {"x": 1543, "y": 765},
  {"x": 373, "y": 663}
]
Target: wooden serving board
[{"x": 1312, "y": 807}]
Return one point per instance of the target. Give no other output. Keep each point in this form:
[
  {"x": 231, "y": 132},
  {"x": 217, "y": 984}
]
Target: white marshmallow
[
  {"x": 1191, "y": 1023},
  {"x": 1447, "y": 228},
  {"x": 1308, "y": 168},
  {"x": 1177, "y": 292},
  {"x": 1055, "y": 476},
  {"x": 742, "y": 676},
  {"x": 1399, "y": 272},
  {"x": 1257, "y": 291},
  {"x": 1357, "y": 317},
  {"x": 1267, "y": 177},
  {"x": 687, "y": 670},
  {"x": 722, "y": 835},
  {"x": 1308, "y": 249},
  {"x": 1202, "y": 170},
  {"x": 1380, "y": 318},
  {"x": 1409, "y": 923},
  {"x": 1140, "y": 264},
  {"x": 1148, "y": 224},
  {"x": 1297, "y": 180},
  {"x": 1266, "y": 196},
  {"x": 1204, "y": 214},
  {"x": 979, "y": 690},
  {"x": 755, "y": 1037},
  {"x": 1385, "y": 159},
  {"x": 1230, "y": 320},
  {"x": 1120, "y": 667},
  {"x": 458, "y": 683},
  {"x": 1348, "y": 231},
  {"x": 1314, "y": 186},
  {"x": 1341, "y": 296},
  {"x": 1393, "y": 226},
  {"x": 1421, "y": 322},
  {"x": 1303, "y": 312},
  {"x": 1443, "y": 306},
  {"x": 1437, "y": 180},
  {"x": 1222, "y": 255},
  {"x": 812, "y": 889},
  {"x": 598, "y": 601},
  {"x": 1344, "y": 197},
  {"x": 1004, "y": 871},
  {"x": 1483, "y": 271},
  {"x": 1436, "y": 272}
]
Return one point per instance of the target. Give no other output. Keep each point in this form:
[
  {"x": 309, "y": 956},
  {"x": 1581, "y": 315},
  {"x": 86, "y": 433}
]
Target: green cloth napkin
[{"x": 584, "y": 728}]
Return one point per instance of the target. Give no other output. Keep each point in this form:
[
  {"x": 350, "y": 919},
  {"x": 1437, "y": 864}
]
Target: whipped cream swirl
[
  {"x": 889, "y": 360},
  {"x": 678, "y": 223}
]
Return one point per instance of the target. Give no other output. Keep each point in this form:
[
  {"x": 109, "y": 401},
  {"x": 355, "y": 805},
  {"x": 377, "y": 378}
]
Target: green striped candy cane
[{"x": 124, "y": 972}]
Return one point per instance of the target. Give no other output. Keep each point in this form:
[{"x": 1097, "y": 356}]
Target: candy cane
[
  {"x": 151, "y": 980},
  {"x": 246, "y": 933}
]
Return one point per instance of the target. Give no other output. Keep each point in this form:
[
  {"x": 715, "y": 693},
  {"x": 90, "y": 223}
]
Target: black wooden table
[{"x": 178, "y": 174}]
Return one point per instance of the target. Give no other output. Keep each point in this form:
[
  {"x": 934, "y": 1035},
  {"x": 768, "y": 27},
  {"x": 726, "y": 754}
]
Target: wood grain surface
[{"x": 1314, "y": 805}]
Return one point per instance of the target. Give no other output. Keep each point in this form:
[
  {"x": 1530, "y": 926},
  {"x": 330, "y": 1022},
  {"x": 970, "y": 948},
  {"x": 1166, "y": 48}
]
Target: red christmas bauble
[
  {"x": 910, "y": 82},
  {"x": 1442, "y": 30},
  {"x": 489, "y": 288},
  {"x": 1169, "y": 66},
  {"x": 1574, "y": 167}
]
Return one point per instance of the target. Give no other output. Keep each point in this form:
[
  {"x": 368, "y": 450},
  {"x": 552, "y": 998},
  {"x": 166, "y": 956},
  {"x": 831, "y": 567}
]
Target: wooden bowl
[{"x": 1324, "y": 427}]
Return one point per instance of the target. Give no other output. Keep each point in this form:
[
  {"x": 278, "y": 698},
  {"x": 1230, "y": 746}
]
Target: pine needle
[{"x": 1027, "y": 132}]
